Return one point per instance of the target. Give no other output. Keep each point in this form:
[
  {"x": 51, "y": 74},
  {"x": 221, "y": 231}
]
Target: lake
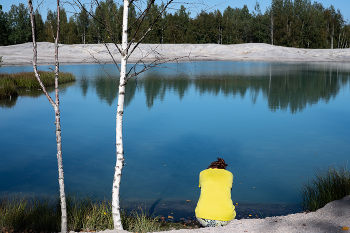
[{"x": 273, "y": 124}]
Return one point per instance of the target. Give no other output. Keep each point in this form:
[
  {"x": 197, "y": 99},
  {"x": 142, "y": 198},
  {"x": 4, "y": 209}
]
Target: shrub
[
  {"x": 329, "y": 184},
  {"x": 11, "y": 83}
]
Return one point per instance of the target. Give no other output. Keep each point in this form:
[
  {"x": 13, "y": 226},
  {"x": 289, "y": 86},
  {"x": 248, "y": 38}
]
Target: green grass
[
  {"x": 86, "y": 213},
  {"x": 7, "y": 87},
  {"x": 11, "y": 84},
  {"x": 329, "y": 184}
]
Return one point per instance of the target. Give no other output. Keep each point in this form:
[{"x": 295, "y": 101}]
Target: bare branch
[
  {"x": 150, "y": 28},
  {"x": 37, "y": 75},
  {"x": 102, "y": 65},
  {"x": 142, "y": 17},
  {"x": 111, "y": 35}
]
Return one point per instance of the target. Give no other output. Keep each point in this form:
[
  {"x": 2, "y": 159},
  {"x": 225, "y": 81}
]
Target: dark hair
[{"x": 219, "y": 164}]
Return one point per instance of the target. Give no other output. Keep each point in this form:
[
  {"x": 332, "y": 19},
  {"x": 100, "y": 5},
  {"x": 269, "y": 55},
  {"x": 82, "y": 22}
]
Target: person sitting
[{"x": 215, "y": 207}]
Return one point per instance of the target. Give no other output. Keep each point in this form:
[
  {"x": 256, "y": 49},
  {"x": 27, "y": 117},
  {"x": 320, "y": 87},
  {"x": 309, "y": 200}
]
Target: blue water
[{"x": 273, "y": 123}]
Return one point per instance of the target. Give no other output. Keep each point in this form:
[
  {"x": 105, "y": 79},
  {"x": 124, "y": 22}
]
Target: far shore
[{"x": 22, "y": 54}]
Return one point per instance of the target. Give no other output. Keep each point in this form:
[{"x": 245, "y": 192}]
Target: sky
[{"x": 194, "y": 5}]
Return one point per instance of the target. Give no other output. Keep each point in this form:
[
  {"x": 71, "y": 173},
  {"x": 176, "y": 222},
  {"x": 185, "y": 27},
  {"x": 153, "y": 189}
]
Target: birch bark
[
  {"x": 126, "y": 49},
  {"x": 119, "y": 124},
  {"x": 56, "y": 106}
]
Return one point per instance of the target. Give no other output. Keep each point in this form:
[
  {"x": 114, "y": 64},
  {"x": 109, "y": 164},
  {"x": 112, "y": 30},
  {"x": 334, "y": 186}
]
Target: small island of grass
[{"x": 10, "y": 84}]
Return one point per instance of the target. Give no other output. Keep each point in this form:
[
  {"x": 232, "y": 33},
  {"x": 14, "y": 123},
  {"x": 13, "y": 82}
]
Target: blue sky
[{"x": 343, "y": 5}]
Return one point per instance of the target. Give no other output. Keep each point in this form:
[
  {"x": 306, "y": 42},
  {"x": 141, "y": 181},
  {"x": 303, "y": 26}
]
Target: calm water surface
[{"x": 273, "y": 123}]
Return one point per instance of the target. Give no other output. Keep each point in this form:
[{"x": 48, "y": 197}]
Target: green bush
[
  {"x": 11, "y": 83},
  {"x": 329, "y": 184}
]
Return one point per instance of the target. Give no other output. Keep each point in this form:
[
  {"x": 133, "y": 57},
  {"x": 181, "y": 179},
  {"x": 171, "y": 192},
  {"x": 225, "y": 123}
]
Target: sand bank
[{"x": 22, "y": 54}]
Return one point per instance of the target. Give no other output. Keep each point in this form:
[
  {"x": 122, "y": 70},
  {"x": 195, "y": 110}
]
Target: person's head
[{"x": 219, "y": 164}]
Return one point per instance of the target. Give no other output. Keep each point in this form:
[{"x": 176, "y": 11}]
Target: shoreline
[
  {"x": 22, "y": 54},
  {"x": 333, "y": 217}
]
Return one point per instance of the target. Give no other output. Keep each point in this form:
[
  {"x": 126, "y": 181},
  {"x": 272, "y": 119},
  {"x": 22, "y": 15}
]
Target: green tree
[
  {"x": 83, "y": 22},
  {"x": 3, "y": 28},
  {"x": 105, "y": 25},
  {"x": 19, "y": 29},
  {"x": 176, "y": 26},
  {"x": 50, "y": 25},
  {"x": 63, "y": 27},
  {"x": 39, "y": 27},
  {"x": 155, "y": 35},
  {"x": 257, "y": 27},
  {"x": 72, "y": 35},
  {"x": 218, "y": 26},
  {"x": 245, "y": 19},
  {"x": 228, "y": 33}
]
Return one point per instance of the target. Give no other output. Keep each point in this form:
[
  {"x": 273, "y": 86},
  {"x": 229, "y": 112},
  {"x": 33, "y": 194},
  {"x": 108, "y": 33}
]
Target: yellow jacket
[{"x": 215, "y": 200}]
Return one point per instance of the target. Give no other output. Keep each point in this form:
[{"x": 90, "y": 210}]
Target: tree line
[{"x": 297, "y": 23}]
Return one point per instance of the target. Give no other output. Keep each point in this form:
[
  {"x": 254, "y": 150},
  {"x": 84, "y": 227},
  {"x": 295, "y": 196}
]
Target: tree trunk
[
  {"x": 58, "y": 131},
  {"x": 56, "y": 107},
  {"x": 332, "y": 36},
  {"x": 119, "y": 124},
  {"x": 271, "y": 27}
]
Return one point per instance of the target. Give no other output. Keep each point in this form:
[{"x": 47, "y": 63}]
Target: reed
[
  {"x": 7, "y": 87},
  {"x": 11, "y": 83},
  {"x": 86, "y": 213},
  {"x": 140, "y": 221},
  {"x": 329, "y": 184}
]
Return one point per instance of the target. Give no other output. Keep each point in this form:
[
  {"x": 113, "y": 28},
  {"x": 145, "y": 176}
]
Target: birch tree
[
  {"x": 120, "y": 109},
  {"x": 131, "y": 37},
  {"x": 56, "y": 105}
]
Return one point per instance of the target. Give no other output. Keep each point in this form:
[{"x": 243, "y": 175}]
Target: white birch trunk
[
  {"x": 58, "y": 132},
  {"x": 119, "y": 124},
  {"x": 56, "y": 106}
]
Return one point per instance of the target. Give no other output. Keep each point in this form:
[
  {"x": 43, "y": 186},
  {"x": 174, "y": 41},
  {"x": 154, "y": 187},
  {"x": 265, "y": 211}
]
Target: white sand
[{"x": 22, "y": 54}]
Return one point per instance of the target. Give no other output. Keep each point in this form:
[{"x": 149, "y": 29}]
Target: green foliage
[
  {"x": 298, "y": 23},
  {"x": 18, "y": 24},
  {"x": 329, "y": 184},
  {"x": 85, "y": 213},
  {"x": 10, "y": 83},
  {"x": 140, "y": 221},
  {"x": 7, "y": 87},
  {"x": 3, "y": 28},
  {"x": 40, "y": 27},
  {"x": 26, "y": 213}
]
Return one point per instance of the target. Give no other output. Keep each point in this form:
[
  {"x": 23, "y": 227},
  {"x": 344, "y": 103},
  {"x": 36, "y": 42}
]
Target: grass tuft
[
  {"x": 329, "y": 184},
  {"x": 85, "y": 213},
  {"x": 7, "y": 87},
  {"x": 10, "y": 83},
  {"x": 140, "y": 221}
]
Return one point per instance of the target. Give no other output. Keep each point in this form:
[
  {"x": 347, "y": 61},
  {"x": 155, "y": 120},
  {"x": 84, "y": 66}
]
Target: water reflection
[
  {"x": 283, "y": 85},
  {"x": 293, "y": 88},
  {"x": 12, "y": 101},
  {"x": 8, "y": 103}
]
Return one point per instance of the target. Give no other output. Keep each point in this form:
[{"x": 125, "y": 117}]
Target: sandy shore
[
  {"x": 22, "y": 54},
  {"x": 334, "y": 217},
  {"x": 331, "y": 218}
]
